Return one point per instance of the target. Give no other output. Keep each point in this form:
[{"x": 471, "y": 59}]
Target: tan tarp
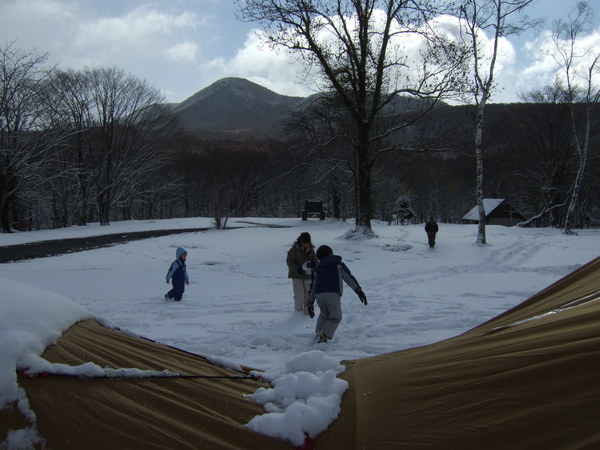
[
  {"x": 165, "y": 413},
  {"x": 532, "y": 385},
  {"x": 530, "y": 378}
]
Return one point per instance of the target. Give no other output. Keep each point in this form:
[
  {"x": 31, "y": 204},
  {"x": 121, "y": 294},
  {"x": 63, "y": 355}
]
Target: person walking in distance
[
  {"x": 431, "y": 228},
  {"x": 326, "y": 288},
  {"x": 301, "y": 258}
]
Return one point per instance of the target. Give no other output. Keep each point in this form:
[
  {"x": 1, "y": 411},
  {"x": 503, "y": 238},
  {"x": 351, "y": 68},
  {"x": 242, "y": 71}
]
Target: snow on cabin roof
[{"x": 489, "y": 204}]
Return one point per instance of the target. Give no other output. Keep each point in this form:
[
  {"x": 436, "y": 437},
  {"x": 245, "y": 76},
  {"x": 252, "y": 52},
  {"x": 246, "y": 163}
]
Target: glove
[
  {"x": 167, "y": 281},
  {"x": 301, "y": 271},
  {"x": 362, "y": 296},
  {"x": 310, "y": 307}
]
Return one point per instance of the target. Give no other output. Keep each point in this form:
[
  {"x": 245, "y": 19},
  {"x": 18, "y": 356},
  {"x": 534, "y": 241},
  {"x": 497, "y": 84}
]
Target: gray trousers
[
  {"x": 330, "y": 304},
  {"x": 301, "y": 288}
]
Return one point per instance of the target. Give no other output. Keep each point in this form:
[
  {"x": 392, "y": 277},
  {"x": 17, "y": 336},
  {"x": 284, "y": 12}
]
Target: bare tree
[
  {"x": 579, "y": 70},
  {"x": 358, "y": 50},
  {"x": 126, "y": 113},
  {"x": 502, "y": 18},
  {"x": 232, "y": 178},
  {"x": 68, "y": 96},
  {"x": 117, "y": 125},
  {"x": 313, "y": 131},
  {"x": 545, "y": 175},
  {"x": 23, "y": 147}
]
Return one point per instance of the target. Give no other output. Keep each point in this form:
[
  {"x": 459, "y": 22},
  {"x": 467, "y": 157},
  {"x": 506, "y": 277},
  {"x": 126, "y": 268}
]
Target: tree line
[
  {"x": 76, "y": 145},
  {"x": 361, "y": 53},
  {"x": 101, "y": 145}
]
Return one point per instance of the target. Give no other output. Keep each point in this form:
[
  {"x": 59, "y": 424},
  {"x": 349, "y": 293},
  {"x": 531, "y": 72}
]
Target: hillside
[{"x": 235, "y": 107}]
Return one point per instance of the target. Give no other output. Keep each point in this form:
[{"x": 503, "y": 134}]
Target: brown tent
[
  {"x": 207, "y": 411},
  {"x": 526, "y": 379}
]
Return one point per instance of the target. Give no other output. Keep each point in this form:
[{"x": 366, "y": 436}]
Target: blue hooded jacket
[
  {"x": 329, "y": 276},
  {"x": 178, "y": 270}
]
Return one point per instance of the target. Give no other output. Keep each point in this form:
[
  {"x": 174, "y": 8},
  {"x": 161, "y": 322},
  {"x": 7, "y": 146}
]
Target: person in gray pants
[
  {"x": 300, "y": 260},
  {"x": 327, "y": 288}
]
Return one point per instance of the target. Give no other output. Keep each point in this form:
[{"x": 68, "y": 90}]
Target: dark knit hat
[
  {"x": 323, "y": 252},
  {"x": 304, "y": 237}
]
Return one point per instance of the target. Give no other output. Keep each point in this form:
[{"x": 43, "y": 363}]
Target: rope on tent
[{"x": 45, "y": 374}]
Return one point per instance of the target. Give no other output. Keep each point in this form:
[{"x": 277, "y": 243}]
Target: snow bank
[{"x": 30, "y": 320}]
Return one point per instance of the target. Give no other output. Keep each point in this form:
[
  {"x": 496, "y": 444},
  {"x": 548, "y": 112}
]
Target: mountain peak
[{"x": 235, "y": 106}]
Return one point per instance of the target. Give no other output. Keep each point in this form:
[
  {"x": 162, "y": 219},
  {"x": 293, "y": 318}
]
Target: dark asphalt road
[{"x": 42, "y": 249}]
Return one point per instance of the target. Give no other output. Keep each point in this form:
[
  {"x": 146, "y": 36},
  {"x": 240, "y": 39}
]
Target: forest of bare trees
[
  {"x": 77, "y": 146},
  {"x": 100, "y": 145}
]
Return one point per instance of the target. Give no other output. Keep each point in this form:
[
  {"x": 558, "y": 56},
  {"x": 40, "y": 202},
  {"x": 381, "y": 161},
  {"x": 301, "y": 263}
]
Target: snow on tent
[
  {"x": 208, "y": 409},
  {"x": 525, "y": 379},
  {"x": 67, "y": 382}
]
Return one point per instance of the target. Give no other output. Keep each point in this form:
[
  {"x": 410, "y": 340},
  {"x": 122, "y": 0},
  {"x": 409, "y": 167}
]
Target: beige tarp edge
[
  {"x": 163, "y": 413},
  {"x": 533, "y": 384}
]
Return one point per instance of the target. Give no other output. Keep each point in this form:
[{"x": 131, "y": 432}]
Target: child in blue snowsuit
[{"x": 178, "y": 273}]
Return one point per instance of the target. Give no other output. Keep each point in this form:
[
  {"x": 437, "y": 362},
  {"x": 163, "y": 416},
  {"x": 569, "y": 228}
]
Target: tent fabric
[
  {"x": 157, "y": 413},
  {"x": 526, "y": 379}
]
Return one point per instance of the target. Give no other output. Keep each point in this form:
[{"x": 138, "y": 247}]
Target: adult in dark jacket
[
  {"x": 301, "y": 258},
  {"x": 431, "y": 228},
  {"x": 327, "y": 288}
]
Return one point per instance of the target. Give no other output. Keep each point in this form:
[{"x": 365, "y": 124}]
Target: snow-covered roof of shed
[{"x": 489, "y": 204}]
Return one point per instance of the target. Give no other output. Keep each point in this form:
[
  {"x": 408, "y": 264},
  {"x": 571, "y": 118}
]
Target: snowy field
[
  {"x": 239, "y": 304},
  {"x": 238, "y": 308}
]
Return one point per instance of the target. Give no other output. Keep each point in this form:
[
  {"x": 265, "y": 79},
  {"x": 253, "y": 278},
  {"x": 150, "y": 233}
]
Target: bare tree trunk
[
  {"x": 479, "y": 173},
  {"x": 5, "y": 217},
  {"x": 574, "y": 198},
  {"x": 364, "y": 193},
  {"x": 582, "y": 153},
  {"x": 477, "y": 16},
  {"x": 21, "y": 153}
]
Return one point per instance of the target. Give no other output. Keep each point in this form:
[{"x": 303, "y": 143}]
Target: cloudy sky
[{"x": 182, "y": 46}]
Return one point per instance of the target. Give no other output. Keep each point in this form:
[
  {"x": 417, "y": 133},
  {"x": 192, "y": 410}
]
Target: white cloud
[
  {"x": 274, "y": 69},
  {"x": 450, "y": 27},
  {"x": 543, "y": 67},
  {"x": 22, "y": 10},
  {"x": 134, "y": 27},
  {"x": 506, "y": 57},
  {"x": 27, "y": 22},
  {"x": 184, "y": 51},
  {"x": 285, "y": 74}
]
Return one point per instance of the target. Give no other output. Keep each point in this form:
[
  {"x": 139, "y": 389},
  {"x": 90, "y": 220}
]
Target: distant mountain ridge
[{"x": 235, "y": 107}]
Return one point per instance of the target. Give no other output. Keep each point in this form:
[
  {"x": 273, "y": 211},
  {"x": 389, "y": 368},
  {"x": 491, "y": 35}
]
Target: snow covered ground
[{"x": 238, "y": 308}]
